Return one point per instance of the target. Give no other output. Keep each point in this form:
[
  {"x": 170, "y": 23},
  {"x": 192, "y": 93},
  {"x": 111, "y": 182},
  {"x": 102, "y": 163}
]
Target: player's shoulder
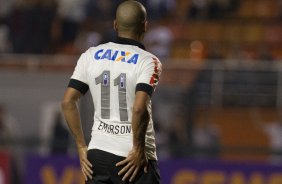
[
  {"x": 153, "y": 59},
  {"x": 98, "y": 47},
  {"x": 148, "y": 56},
  {"x": 92, "y": 50}
]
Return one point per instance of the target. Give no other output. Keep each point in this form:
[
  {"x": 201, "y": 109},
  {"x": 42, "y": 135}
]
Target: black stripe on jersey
[
  {"x": 127, "y": 41},
  {"x": 78, "y": 85},
  {"x": 145, "y": 87}
]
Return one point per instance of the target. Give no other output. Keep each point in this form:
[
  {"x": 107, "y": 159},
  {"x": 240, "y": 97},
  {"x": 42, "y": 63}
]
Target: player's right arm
[
  {"x": 72, "y": 117},
  {"x": 77, "y": 87}
]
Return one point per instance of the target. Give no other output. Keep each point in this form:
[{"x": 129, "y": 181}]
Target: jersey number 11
[{"x": 105, "y": 81}]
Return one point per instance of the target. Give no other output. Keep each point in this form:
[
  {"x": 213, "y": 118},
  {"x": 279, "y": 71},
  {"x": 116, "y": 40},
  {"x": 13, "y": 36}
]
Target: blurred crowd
[
  {"x": 62, "y": 26},
  {"x": 71, "y": 26}
]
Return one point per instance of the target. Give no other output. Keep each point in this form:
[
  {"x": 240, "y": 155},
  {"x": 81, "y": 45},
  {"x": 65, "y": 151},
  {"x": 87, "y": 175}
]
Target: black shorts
[{"x": 105, "y": 171}]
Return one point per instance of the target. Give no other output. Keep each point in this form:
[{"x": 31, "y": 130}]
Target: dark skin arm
[
  {"x": 136, "y": 158},
  {"x": 72, "y": 117}
]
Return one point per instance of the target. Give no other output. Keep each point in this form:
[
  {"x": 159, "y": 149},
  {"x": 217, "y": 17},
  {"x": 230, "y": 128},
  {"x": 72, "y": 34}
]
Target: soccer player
[{"x": 122, "y": 77}]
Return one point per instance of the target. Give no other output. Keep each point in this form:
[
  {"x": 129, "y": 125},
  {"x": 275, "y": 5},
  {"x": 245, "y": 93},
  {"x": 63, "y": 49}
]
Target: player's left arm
[
  {"x": 72, "y": 117},
  {"x": 147, "y": 81},
  {"x": 137, "y": 159}
]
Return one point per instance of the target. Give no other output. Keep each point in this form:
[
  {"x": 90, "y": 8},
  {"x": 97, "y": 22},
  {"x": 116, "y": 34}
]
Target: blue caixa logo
[{"x": 116, "y": 55}]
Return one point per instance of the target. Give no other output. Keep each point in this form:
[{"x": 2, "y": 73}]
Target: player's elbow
[
  {"x": 142, "y": 113},
  {"x": 138, "y": 110},
  {"x": 67, "y": 103}
]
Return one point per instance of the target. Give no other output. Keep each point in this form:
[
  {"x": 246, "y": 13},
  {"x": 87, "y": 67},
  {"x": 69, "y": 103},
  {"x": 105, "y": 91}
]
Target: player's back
[{"x": 112, "y": 71}]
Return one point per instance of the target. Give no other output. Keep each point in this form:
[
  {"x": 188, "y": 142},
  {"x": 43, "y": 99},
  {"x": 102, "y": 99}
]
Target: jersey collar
[{"x": 127, "y": 41}]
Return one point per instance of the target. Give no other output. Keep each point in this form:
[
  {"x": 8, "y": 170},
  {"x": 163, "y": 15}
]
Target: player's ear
[
  {"x": 115, "y": 25},
  {"x": 145, "y": 26}
]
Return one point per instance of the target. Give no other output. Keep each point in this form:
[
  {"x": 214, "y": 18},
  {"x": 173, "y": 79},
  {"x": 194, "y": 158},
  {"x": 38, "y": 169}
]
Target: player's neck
[{"x": 132, "y": 36}]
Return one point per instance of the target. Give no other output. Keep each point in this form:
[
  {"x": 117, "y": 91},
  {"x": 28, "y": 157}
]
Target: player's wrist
[
  {"x": 139, "y": 148},
  {"x": 80, "y": 144}
]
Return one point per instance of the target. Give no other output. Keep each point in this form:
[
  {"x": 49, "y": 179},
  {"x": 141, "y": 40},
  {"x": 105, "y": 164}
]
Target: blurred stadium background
[{"x": 218, "y": 115}]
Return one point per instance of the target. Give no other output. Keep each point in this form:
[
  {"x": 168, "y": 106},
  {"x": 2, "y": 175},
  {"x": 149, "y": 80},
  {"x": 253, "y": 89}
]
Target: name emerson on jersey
[
  {"x": 114, "y": 129},
  {"x": 116, "y": 55}
]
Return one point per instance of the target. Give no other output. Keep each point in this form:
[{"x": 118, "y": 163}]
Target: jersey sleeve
[
  {"x": 149, "y": 75},
  {"x": 79, "y": 79}
]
